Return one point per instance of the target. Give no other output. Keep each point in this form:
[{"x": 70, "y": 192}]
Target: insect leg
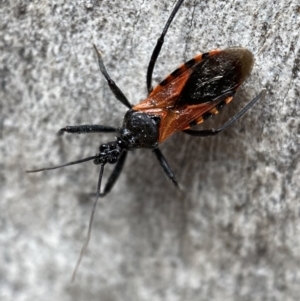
[
  {"x": 114, "y": 175},
  {"x": 158, "y": 46},
  {"x": 227, "y": 124},
  {"x": 165, "y": 166},
  {"x": 86, "y": 129},
  {"x": 112, "y": 85}
]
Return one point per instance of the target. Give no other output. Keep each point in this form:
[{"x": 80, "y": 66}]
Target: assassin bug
[{"x": 195, "y": 91}]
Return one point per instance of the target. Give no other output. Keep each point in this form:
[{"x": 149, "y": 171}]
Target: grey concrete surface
[{"x": 234, "y": 232}]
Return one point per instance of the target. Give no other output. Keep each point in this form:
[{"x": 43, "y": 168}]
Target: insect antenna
[
  {"x": 85, "y": 244},
  {"x": 64, "y": 165}
]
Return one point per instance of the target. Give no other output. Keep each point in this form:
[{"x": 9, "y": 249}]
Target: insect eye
[{"x": 103, "y": 148}]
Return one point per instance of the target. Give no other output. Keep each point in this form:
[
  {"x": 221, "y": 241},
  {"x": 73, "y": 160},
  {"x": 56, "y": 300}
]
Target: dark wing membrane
[{"x": 217, "y": 73}]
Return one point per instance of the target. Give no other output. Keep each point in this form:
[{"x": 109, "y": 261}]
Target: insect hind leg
[
  {"x": 157, "y": 48},
  {"x": 236, "y": 117}
]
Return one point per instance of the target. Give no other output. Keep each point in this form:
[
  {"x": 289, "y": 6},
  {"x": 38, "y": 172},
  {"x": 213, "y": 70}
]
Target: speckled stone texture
[{"x": 234, "y": 232}]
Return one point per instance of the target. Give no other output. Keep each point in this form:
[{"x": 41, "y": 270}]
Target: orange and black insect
[{"x": 195, "y": 91}]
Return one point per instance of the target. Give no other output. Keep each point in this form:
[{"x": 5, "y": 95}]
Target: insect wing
[
  {"x": 197, "y": 87},
  {"x": 218, "y": 73}
]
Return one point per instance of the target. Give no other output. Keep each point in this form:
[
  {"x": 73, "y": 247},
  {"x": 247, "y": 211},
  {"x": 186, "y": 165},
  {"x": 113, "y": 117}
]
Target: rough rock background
[{"x": 234, "y": 234}]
